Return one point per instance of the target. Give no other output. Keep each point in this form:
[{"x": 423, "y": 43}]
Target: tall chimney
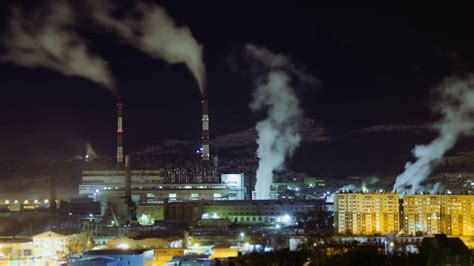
[
  {"x": 120, "y": 158},
  {"x": 205, "y": 128}
]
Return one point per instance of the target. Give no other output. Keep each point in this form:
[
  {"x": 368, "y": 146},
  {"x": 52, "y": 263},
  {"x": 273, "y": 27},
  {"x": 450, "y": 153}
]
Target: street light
[{"x": 242, "y": 235}]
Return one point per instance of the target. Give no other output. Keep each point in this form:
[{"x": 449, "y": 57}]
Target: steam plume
[
  {"x": 456, "y": 105},
  {"x": 278, "y": 134},
  {"x": 48, "y": 39},
  {"x": 149, "y": 28}
]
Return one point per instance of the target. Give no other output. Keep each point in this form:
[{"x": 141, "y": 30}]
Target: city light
[
  {"x": 123, "y": 246},
  {"x": 7, "y": 201}
]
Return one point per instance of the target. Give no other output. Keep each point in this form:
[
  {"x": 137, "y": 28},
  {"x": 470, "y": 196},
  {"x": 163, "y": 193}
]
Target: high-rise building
[
  {"x": 457, "y": 215},
  {"x": 366, "y": 213},
  {"x": 421, "y": 213}
]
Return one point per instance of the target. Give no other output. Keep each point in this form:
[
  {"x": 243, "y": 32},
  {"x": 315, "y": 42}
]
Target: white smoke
[
  {"x": 48, "y": 39},
  {"x": 456, "y": 105},
  {"x": 90, "y": 152},
  {"x": 149, "y": 27},
  {"x": 278, "y": 134}
]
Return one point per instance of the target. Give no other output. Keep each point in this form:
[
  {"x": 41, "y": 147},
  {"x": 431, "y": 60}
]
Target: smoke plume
[
  {"x": 149, "y": 28},
  {"x": 456, "y": 106},
  {"x": 47, "y": 38},
  {"x": 278, "y": 135}
]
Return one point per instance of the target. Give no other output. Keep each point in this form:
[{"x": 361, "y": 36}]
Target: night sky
[{"x": 376, "y": 66}]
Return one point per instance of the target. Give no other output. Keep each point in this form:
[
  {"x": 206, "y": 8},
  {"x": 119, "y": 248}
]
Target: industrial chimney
[
  {"x": 120, "y": 158},
  {"x": 205, "y": 128}
]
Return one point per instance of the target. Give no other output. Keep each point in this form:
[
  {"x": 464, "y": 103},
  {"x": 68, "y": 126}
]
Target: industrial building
[
  {"x": 366, "y": 213},
  {"x": 268, "y": 212},
  {"x": 148, "y": 186}
]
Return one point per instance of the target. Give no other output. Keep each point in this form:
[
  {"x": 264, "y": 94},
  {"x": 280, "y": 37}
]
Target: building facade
[
  {"x": 366, "y": 213},
  {"x": 421, "y": 214},
  {"x": 439, "y": 214},
  {"x": 149, "y": 186}
]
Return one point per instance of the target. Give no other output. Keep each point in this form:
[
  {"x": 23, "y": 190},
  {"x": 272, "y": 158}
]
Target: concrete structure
[
  {"x": 206, "y": 153},
  {"x": 50, "y": 244},
  {"x": 421, "y": 213},
  {"x": 434, "y": 214},
  {"x": 151, "y": 186},
  {"x": 366, "y": 213},
  {"x": 256, "y": 211},
  {"x": 12, "y": 248}
]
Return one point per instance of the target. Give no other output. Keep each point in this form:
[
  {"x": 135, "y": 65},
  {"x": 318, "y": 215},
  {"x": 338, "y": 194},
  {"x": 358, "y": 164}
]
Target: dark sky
[{"x": 376, "y": 66}]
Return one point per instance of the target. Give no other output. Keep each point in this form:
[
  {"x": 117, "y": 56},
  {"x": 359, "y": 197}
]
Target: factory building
[
  {"x": 233, "y": 211},
  {"x": 258, "y": 211},
  {"x": 366, "y": 213},
  {"x": 149, "y": 186}
]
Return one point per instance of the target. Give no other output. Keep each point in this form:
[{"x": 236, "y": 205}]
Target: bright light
[
  {"x": 242, "y": 235},
  {"x": 215, "y": 216},
  {"x": 26, "y": 201},
  {"x": 90, "y": 215},
  {"x": 123, "y": 246},
  {"x": 70, "y": 213},
  {"x": 277, "y": 226},
  {"x": 392, "y": 244},
  {"x": 7, "y": 201},
  {"x": 16, "y": 201},
  {"x": 35, "y": 201},
  {"x": 286, "y": 219},
  {"x": 196, "y": 245},
  {"x": 97, "y": 191},
  {"x": 205, "y": 216},
  {"x": 46, "y": 201}
]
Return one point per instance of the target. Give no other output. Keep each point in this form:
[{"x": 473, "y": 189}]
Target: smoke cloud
[
  {"x": 456, "y": 106},
  {"x": 278, "y": 135},
  {"x": 149, "y": 28},
  {"x": 47, "y": 39}
]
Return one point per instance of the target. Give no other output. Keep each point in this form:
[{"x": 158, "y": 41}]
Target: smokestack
[
  {"x": 119, "y": 136},
  {"x": 205, "y": 128}
]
